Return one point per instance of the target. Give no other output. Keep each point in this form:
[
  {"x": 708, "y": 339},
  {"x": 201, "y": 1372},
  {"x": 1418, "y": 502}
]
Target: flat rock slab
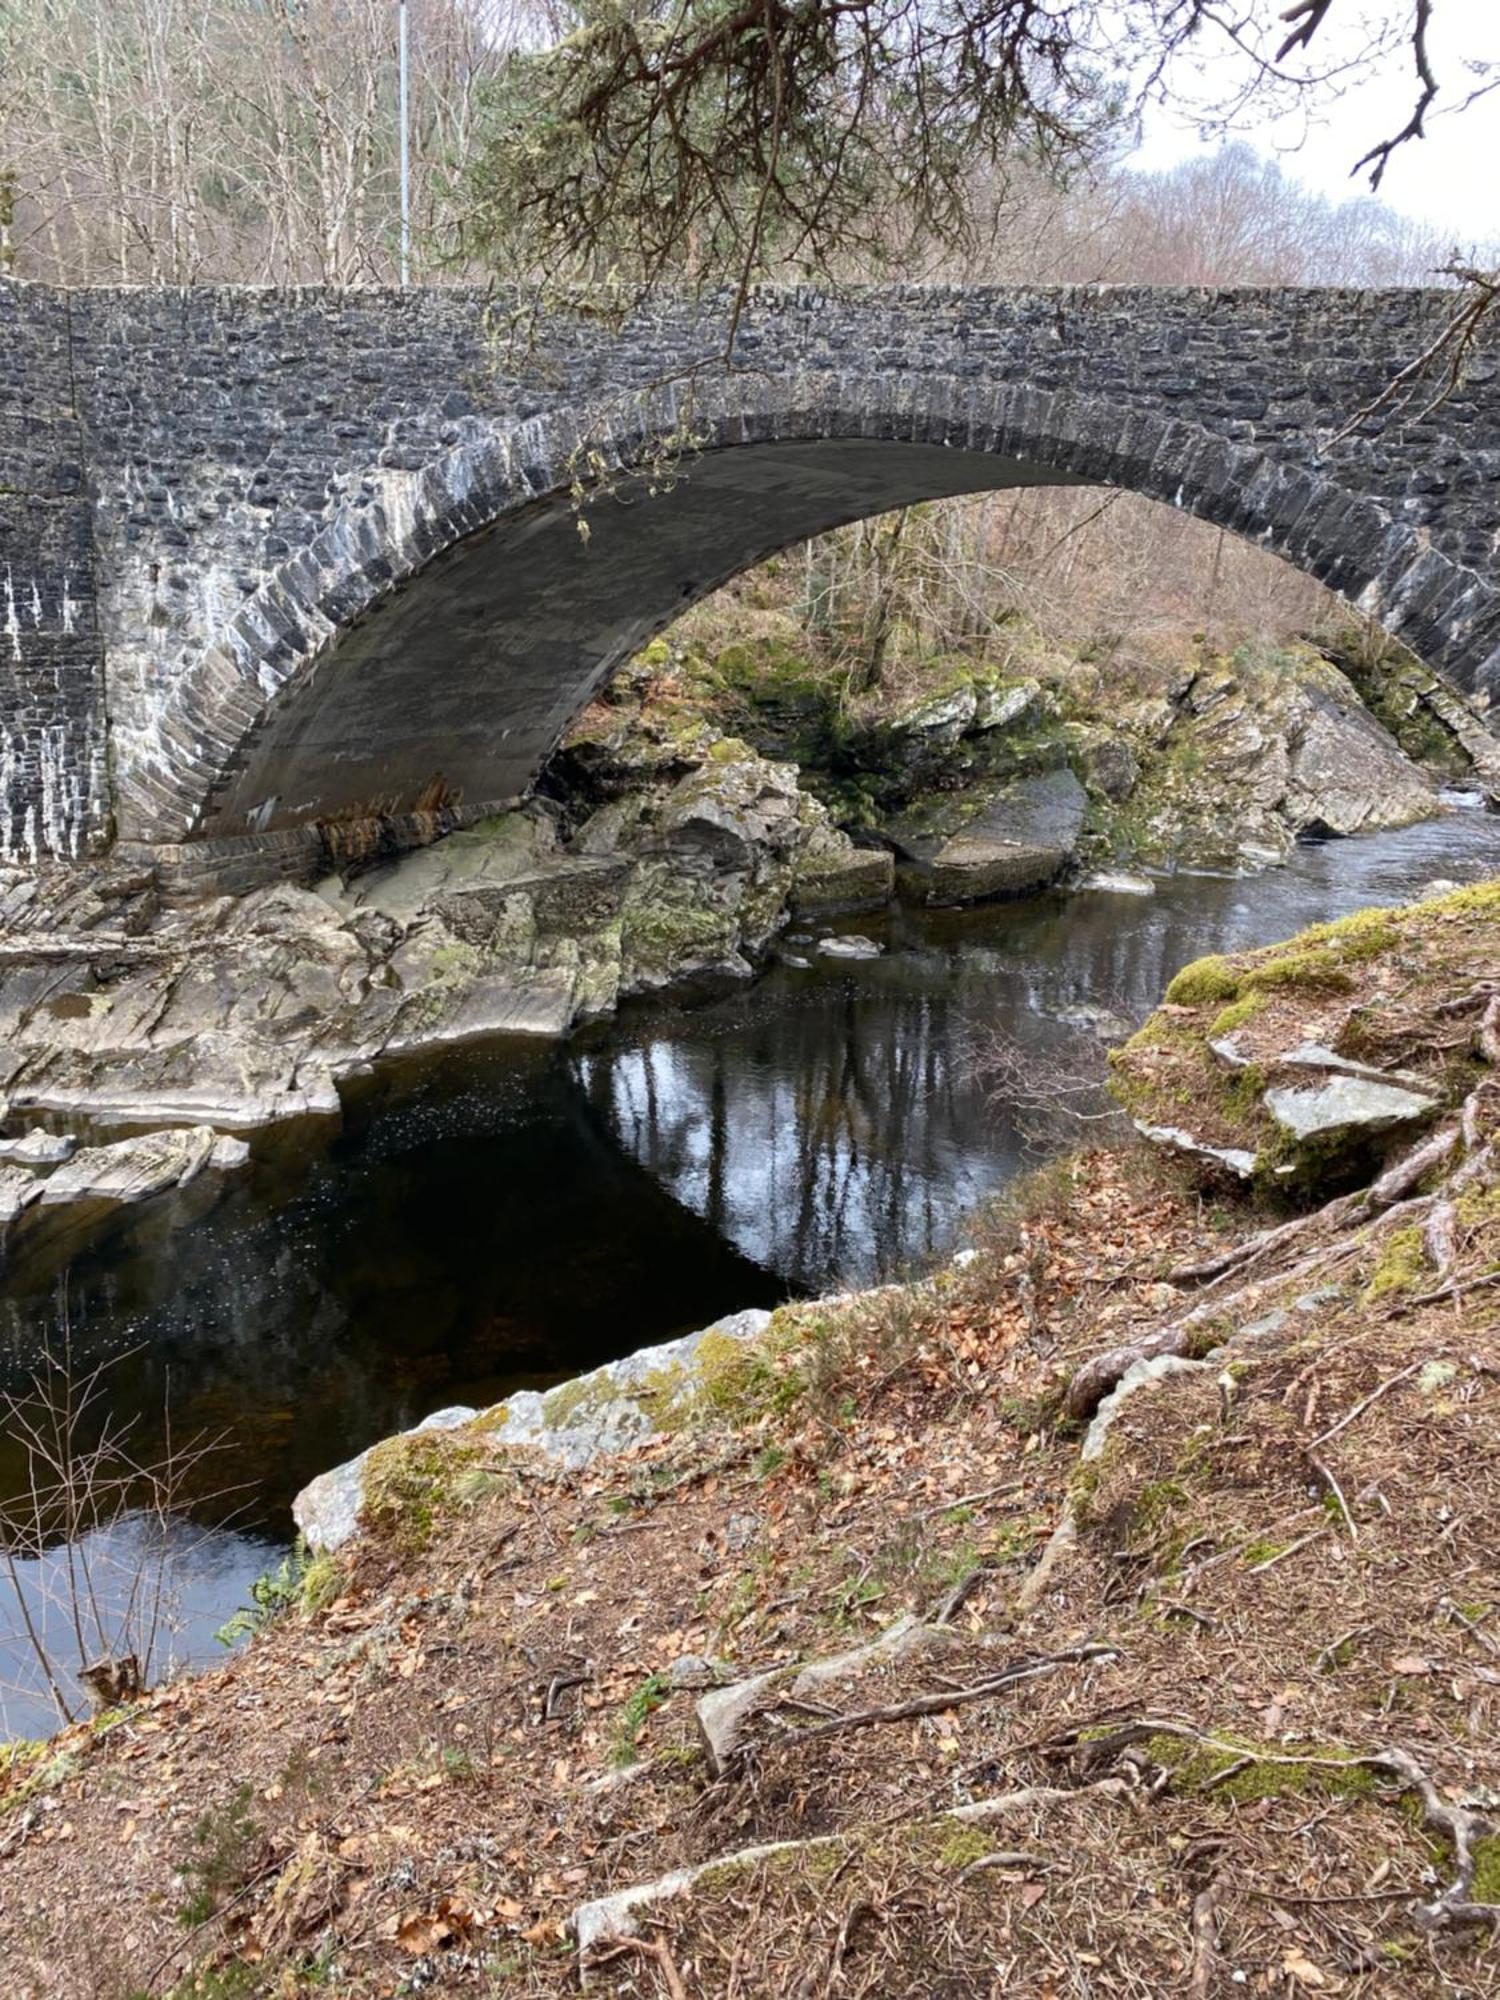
[
  {"x": 134, "y": 1169},
  {"x": 1346, "y": 1104},
  {"x": 1022, "y": 840},
  {"x": 1313, "y": 1055},
  {"x": 1235, "y": 1159}
]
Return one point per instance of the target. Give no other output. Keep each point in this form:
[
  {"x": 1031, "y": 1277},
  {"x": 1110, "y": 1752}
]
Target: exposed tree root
[
  {"x": 1458, "y": 1825},
  {"x": 1205, "y": 1941},
  {"x": 1027, "y": 1669},
  {"x": 1462, "y": 1829},
  {"x": 616, "y": 1947},
  {"x": 1383, "y": 1201},
  {"x": 1489, "y": 1032},
  {"x": 1397, "y": 1180}
]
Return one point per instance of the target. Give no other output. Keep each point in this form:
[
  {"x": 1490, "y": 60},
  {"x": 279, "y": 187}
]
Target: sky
[{"x": 1450, "y": 179}]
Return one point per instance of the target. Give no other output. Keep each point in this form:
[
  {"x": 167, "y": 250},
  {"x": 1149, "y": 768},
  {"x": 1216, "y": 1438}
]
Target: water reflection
[
  {"x": 507, "y": 1215},
  {"x": 831, "y": 1123}
]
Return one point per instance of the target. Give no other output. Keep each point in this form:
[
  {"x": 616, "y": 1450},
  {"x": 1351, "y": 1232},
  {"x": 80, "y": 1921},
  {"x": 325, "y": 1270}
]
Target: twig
[
  {"x": 1336, "y": 1646},
  {"x": 1004, "y": 1859},
  {"x": 935, "y": 1704},
  {"x": 615, "y": 1947},
  {"x": 954, "y": 1601},
  {"x": 1291, "y": 1549},
  {"x": 1337, "y": 1492},
  {"x": 1353, "y": 1896},
  {"x": 1451, "y": 1291},
  {"x": 970, "y": 1499},
  {"x": 1359, "y": 1409},
  {"x": 1173, "y": 1609},
  {"x": 1470, "y": 1625}
]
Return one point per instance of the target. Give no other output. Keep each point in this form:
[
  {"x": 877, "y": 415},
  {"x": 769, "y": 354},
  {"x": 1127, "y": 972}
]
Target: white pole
[{"x": 405, "y": 153}]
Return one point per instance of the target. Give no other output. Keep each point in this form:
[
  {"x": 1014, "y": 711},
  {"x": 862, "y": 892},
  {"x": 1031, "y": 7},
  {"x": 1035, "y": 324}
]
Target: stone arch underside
[{"x": 434, "y": 646}]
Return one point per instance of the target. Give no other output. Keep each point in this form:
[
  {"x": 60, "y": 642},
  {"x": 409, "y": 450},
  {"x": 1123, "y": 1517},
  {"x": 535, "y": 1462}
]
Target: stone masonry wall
[
  {"x": 52, "y": 708},
  {"x": 262, "y": 466}
]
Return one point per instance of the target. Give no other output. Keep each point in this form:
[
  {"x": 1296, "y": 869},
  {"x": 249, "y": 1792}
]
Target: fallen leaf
[
  {"x": 1301, "y": 1967},
  {"x": 1411, "y": 1663}
]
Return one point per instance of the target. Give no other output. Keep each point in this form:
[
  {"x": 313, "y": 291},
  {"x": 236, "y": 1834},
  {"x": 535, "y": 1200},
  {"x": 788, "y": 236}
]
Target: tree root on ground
[
  {"x": 1459, "y": 1826},
  {"x": 1028, "y": 1669},
  {"x": 1387, "y": 1199}
]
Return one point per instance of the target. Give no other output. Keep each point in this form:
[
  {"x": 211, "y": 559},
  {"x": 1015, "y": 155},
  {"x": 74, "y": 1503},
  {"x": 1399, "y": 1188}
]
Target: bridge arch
[{"x": 434, "y": 639}]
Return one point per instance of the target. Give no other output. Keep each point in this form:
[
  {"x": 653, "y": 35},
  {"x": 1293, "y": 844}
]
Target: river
[{"x": 499, "y": 1216}]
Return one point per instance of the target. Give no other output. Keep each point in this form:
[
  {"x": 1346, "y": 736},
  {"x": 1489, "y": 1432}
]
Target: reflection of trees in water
[
  {"x": 468, "y": 1238},
  {"x": 827, "y": 1140}
]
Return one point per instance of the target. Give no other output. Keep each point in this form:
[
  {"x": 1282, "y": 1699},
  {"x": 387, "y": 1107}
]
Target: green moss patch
[
  {"x": 411, "y": 1482},
  {"x": 1401, "y": 1266},
  {"x": 1246, "y": 1772}
]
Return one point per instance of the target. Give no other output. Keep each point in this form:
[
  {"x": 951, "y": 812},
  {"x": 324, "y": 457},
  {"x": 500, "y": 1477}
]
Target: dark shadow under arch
[{"x": 436, "y": 645}]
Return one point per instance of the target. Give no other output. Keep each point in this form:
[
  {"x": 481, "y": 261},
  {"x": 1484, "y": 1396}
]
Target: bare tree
[{"x": 186, "y": 141}]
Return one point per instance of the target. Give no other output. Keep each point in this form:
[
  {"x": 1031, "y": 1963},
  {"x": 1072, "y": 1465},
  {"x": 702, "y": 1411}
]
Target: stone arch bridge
[{"x": 277, "y": 568}]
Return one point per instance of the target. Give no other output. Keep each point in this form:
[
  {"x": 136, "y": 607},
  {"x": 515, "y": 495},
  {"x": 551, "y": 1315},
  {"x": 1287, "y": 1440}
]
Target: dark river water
[{"x": 506, "y": 1214}]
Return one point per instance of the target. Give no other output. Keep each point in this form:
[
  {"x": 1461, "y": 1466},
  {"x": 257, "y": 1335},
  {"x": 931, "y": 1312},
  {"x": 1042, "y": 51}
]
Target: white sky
[{"x": 1450, "y": 179}]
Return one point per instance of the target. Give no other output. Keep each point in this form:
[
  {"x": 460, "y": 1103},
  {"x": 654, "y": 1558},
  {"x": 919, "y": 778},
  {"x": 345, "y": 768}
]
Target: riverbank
[
  {"x": 1248, "y": 1593},
  {"x": 722, "y": 793}
]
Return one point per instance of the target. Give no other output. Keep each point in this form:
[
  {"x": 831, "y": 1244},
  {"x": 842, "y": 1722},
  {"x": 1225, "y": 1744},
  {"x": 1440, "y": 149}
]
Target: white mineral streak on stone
[
  {"x": 36, "y": 604},
  {"x": 61, "y": 771},
  {"x": 9, "y": 851},
  {"x": 12, "y": 623}
]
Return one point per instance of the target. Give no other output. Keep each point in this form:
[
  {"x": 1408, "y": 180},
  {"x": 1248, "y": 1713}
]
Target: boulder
[
  {"x": 1022, "y": 840},
  {"x": 327, "y": 1509},
  {"x": 854, "y": 947},
  {"x": 609, "y": 1409},
  {"x": 19, "y": 1188},
  {"x": 1007, "y": 707},
  {"x": 1348, "y": 775},
  {"x": 831, "y": 873},
  {"x": 944, "y": 717},
  {"x": 1110, "y": 767}
]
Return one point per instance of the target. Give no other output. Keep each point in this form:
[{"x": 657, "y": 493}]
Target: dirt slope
[{"x": 1204, "y": 1696}]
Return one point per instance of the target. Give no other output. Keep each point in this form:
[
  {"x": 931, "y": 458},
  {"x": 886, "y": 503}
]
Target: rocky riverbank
[
  {"x": 1121, "y": 1596},
  {"x": 714, "y": 797}
]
